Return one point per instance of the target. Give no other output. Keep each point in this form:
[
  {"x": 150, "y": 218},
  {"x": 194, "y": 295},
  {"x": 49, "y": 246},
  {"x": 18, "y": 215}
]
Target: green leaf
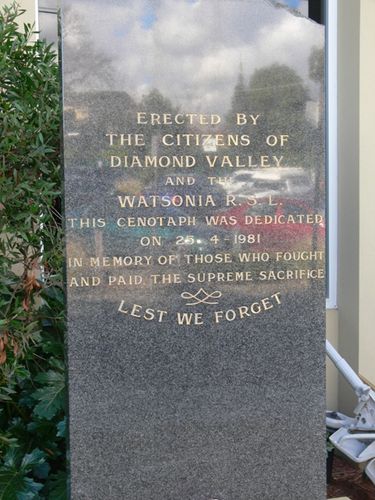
[
  {"x": 30, "y": 460},
  {"x": 51, "y": 397},
  {"x": 58, "y": 487},
  {"x": 41, "y": 471},
  {"x": 9, "y": 442},
  {"x": 61, "y": 428},
  {"x": 14, "y": 481},
  {"x": 15, "y": 485},
  {"x": 12, "y": 458}
]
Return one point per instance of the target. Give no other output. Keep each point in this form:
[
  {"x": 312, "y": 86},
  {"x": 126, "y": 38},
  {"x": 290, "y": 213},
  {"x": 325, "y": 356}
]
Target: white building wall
[
  {"x": 367, "y": 192},
  {"x": 30, "y": 6}
]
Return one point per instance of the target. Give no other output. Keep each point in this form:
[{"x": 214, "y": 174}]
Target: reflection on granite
[{"x": 194, "y": 208}]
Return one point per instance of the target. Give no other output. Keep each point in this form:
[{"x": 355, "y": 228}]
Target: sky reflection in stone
[{"x": 187, "y": 47}]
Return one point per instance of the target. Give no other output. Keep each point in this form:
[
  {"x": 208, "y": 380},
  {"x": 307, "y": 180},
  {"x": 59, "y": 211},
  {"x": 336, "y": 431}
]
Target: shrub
[{"x": 32, "y": 380}]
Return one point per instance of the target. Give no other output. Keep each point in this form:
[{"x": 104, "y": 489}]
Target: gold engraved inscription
[{"x": 193, "y": 248}]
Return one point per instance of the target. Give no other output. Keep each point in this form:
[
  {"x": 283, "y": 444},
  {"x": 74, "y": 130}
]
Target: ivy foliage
[{"x": 32, "y": 379}]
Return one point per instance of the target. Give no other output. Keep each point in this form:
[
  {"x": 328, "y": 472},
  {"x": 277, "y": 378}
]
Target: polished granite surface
[{"x": 194, "y": 209}]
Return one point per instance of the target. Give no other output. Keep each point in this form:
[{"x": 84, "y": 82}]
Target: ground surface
[{"x": 349, "y": 481}]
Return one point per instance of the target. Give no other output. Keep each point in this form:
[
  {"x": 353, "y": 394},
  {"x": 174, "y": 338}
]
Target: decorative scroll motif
[{"x": 201, "y": 297}]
